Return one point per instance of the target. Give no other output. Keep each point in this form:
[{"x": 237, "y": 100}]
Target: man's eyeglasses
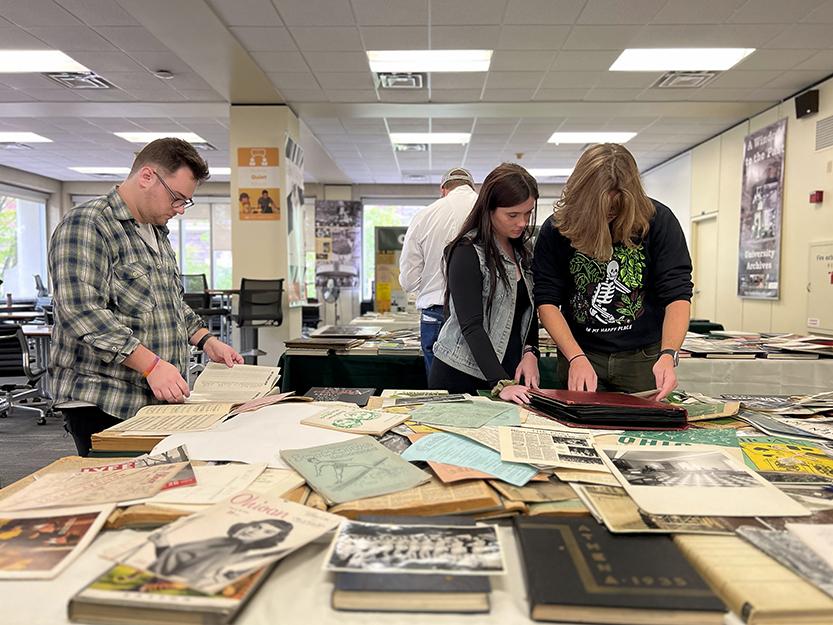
[{"x": 177, "y": 201}]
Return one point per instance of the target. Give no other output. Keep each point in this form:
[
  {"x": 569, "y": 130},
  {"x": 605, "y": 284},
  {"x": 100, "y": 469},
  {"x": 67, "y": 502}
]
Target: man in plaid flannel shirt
[{"x": 122, "y": 329}]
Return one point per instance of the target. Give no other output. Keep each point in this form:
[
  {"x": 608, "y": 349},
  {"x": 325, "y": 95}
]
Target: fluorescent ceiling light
[
  {"x": 22, "y": 137},
  {"x": 429, "y": 60},
  {"x": 678, "y": 59},
  {"x": 591, "y": 137},
  {"x": 551, "y": 173},
  {"x": 459, "y": 138},
  {"x": 147, "y": 137},
  {"x": 219, "y": 171},
  {"x": 112, "y": 171},
  {"x": 37, "y": 61}
]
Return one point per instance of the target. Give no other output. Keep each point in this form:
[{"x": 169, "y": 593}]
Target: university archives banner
[{"x": 759, "y": 252}]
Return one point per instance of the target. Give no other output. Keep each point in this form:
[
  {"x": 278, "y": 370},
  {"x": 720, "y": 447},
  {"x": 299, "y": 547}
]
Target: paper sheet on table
[
  {"x": 160, "y": 419},
  {"x": 240, "y": 383},
  {"x": 214, "y": 484},
  {"x": 819, "y": 538},
  {"x": 257, "y": 436},
  {"x": 472, "y": 414},
  {"x": 460, "y": 451},
  {"x": 83, "y": 488}
]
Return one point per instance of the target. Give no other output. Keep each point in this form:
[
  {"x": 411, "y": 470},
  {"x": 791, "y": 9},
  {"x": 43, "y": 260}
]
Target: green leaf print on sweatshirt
[
  {"x": 585, "y": 271},
  {"x": 631, "y": 265}
]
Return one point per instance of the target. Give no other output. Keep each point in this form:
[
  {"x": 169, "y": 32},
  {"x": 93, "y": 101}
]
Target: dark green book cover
[{"x": 577, "y": 563}]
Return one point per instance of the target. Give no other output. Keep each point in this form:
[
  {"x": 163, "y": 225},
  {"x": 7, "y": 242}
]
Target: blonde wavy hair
[{"x": 603, "y": 202}]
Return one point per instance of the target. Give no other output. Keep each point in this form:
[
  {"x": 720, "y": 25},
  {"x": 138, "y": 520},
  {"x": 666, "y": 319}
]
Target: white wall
[{"x": 670, "y": 183}]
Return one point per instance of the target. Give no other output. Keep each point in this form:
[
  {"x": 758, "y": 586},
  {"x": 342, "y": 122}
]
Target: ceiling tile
[
  {"x": 201, "y": 95},
  {"x": 822, "y": 15},
  {"x": 131, "y": 38},
  {"x": 161, "y": 60},
  {"x": 351, "y": 95},
  {"x": 390, "y": 12},
  {"x": 821, "y": 60},
  {"x": 802, "y": 36},
  {"x": 700, "y": 12},
  {"x": 532, "y": 37},
  {"x": 108, "y": 95},
  {"x": 457, "y": 80},
  {"x": 395, "y": 37},
  {"x": 345, "y": 80},
  {"x": 772, "y": 12},
  {"x": 98, "y": 12},
  {"x": 103, "y": 61},
  {"x": 561, "y": 95},
  {"x": 564, "y": 80},
  {"x": 601, "y": 37},
  {"x": 264, "y": 38},
  {"x": 572, "y": 60},
  {"x": 451, "y": 125},
  {"x": 304, "y": 95},
  {"x": 734, "y": 79},
  {"x": 619, "y": 11},
  {"x": 337, "y": 61},
  {"x": 403, "y": 95},
  {"x": 72, "y": 38},
  {"x": 327, "y": 38},
  {"x": 774, "y": 59},
  {"x": 469, "y": 38},
  {"x": 612, "y": 95},
  {"x": 507, "y": 95},
  {"x": 315, "y": 12},
  {"x": 36, "y": 13},
  {"x": 14, "y": 95},
  {"x": 704, "y": 36},
  {"x": 543, "y": 11},
  {"x": 137, "y": 80},
  {"x": 519, "y": 60},
  {"x": 246, "y": 12},
  {"x": 796, "y": 79},
  {"x": 513, "y": 80},
  {"x": 16, "y": 38},
  {"x": 459, "y": 95},
  {"x": 466, "y": 13},
  {"x": 293, "y": 80},
  {"x": 628, "y": 80},
  {"x": 281, "y": 61},
  {"x": 407, "y": 125},
  {"x": 27, "y": 81}
]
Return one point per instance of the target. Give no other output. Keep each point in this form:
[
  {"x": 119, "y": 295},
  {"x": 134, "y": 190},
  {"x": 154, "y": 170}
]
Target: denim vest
[{"x": 451, "y": 346}]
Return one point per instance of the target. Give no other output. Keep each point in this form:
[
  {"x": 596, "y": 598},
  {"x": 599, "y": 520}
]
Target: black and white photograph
[
  {"x": 659, "y": 468},
  {"x": 586, "y": 458},
  {"x": 387, "y": 548}
]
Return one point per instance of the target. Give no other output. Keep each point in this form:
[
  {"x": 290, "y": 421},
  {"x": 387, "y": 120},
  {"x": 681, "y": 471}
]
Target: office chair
[
  {"x": 14, "y": 363},
  {"x": 43, "y": 300},
  {"x": 311, "y": 314},
  {"x": 195, "y": 286},
  {"x": 259, "y": 305}
]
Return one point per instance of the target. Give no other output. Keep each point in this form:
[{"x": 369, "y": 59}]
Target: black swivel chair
[
  {"x": 259, "y": 304},
  {"x": 195, "y": 286},
  {"x": 14, "y": 363}
]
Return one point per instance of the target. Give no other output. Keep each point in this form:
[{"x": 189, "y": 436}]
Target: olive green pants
[{"x": 627, "y": 372}]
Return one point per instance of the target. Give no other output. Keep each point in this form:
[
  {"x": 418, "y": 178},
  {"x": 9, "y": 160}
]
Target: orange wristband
[{"x": 150, "y": 369}]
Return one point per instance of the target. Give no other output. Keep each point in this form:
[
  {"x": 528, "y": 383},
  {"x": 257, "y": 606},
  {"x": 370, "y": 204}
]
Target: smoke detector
[{"x": 163, "y": 74}]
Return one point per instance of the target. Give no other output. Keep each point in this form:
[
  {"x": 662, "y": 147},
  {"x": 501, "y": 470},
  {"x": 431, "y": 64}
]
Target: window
[
  {"x": 383, "y": 212},
  {"x": 201, "y": 239},
  {"x": 22, "y": 240}
]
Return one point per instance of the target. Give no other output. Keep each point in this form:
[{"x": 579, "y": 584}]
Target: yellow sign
[{"x": 789, "y": 458}]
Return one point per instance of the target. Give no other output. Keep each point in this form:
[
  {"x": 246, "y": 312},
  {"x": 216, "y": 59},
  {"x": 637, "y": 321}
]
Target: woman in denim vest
[{"x": 490, "y": 337}]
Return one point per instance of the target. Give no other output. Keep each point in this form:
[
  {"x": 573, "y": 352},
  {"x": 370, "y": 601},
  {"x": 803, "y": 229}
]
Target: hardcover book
[
  {"x": 358, "y": 396},
  {"x": 577, "y": 572}
]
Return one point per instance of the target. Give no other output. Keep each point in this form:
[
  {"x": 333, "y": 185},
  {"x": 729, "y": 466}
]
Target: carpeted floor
[{"x": 26, "y": 446}]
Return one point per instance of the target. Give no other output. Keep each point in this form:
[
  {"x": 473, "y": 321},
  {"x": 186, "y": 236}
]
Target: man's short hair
[
  {"x": 456, "y": 177},
  {"x": 169, "y": 154}
]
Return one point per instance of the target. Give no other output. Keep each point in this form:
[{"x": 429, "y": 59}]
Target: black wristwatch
[
  {"x": 675, "y": 355},
  {"x": 201, "y": 343}
]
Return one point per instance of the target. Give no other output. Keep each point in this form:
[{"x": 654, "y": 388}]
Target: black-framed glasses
[{"x": 177, "y": 201}]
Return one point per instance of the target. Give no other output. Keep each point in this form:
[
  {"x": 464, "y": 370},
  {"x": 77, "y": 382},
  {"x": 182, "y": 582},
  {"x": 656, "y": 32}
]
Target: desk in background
[{"x": 710, "y": 376}]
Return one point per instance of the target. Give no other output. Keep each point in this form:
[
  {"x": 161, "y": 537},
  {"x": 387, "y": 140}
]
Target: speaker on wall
[{"x": 807, "y": 103}]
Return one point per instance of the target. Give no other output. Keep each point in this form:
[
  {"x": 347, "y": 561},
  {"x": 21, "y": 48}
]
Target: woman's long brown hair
[
  {"x": 603, "y": 202},
  {"x": 507, "y": 185}
]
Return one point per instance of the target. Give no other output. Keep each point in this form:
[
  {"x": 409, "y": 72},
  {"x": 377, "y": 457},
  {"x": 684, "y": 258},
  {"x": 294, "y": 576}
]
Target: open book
[{"x": 237, "y": 384}]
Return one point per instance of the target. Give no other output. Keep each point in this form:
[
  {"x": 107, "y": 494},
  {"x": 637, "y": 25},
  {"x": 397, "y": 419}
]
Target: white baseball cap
[{"x": 457, "y": 173}]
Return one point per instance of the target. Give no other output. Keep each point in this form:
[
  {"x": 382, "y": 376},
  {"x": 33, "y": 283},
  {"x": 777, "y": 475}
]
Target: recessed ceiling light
[
  {"x": 591, "y": 137},
  {"x": 22, "y": 137},
  {"x": 105, "y": 171},
  {"x": 429, "y": 60},
  {"x": 679, "y": 59},
  {"x": 459, "y": 138},
  {"x": 147, "y": 137},
  {"x": 551, "y": 173},
  {"x": 37, "y": 61},
  {"x": 219, "y": 171}
]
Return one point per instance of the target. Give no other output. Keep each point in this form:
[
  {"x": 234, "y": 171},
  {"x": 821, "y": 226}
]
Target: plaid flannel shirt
[{"x": 111, "y": 293}]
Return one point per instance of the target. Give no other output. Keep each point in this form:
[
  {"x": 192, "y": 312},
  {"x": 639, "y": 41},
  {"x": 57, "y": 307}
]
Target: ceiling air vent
[
  {"x": 79, "y": 80},
  {"x": 416, "y": 177},
  {"x": 684, "y": 80},
  {"x": 401, "y": 81},
  {"x": 824, "y": 133},
  {"x": 410, "y": 147}
]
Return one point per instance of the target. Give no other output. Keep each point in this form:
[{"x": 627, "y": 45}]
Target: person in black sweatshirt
[
  {"x": 613, "y": 279},
  {"x": 490, "y": 337}
]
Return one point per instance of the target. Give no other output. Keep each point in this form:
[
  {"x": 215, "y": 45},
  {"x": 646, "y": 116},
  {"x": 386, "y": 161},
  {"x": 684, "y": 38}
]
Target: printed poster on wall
[
  {"x": 759, "y": 253},
  {"x": 389, "y": 294},
  {"x": 258, "y": 181},
  {"x": 338, "y": 243},
  {"x": 294, "y": 160}
]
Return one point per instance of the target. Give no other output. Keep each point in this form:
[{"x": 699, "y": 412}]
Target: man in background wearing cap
[{"x": 421, "y": 261}]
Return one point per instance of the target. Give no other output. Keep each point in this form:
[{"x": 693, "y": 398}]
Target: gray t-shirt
[{"x": 148, "y": 233}]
